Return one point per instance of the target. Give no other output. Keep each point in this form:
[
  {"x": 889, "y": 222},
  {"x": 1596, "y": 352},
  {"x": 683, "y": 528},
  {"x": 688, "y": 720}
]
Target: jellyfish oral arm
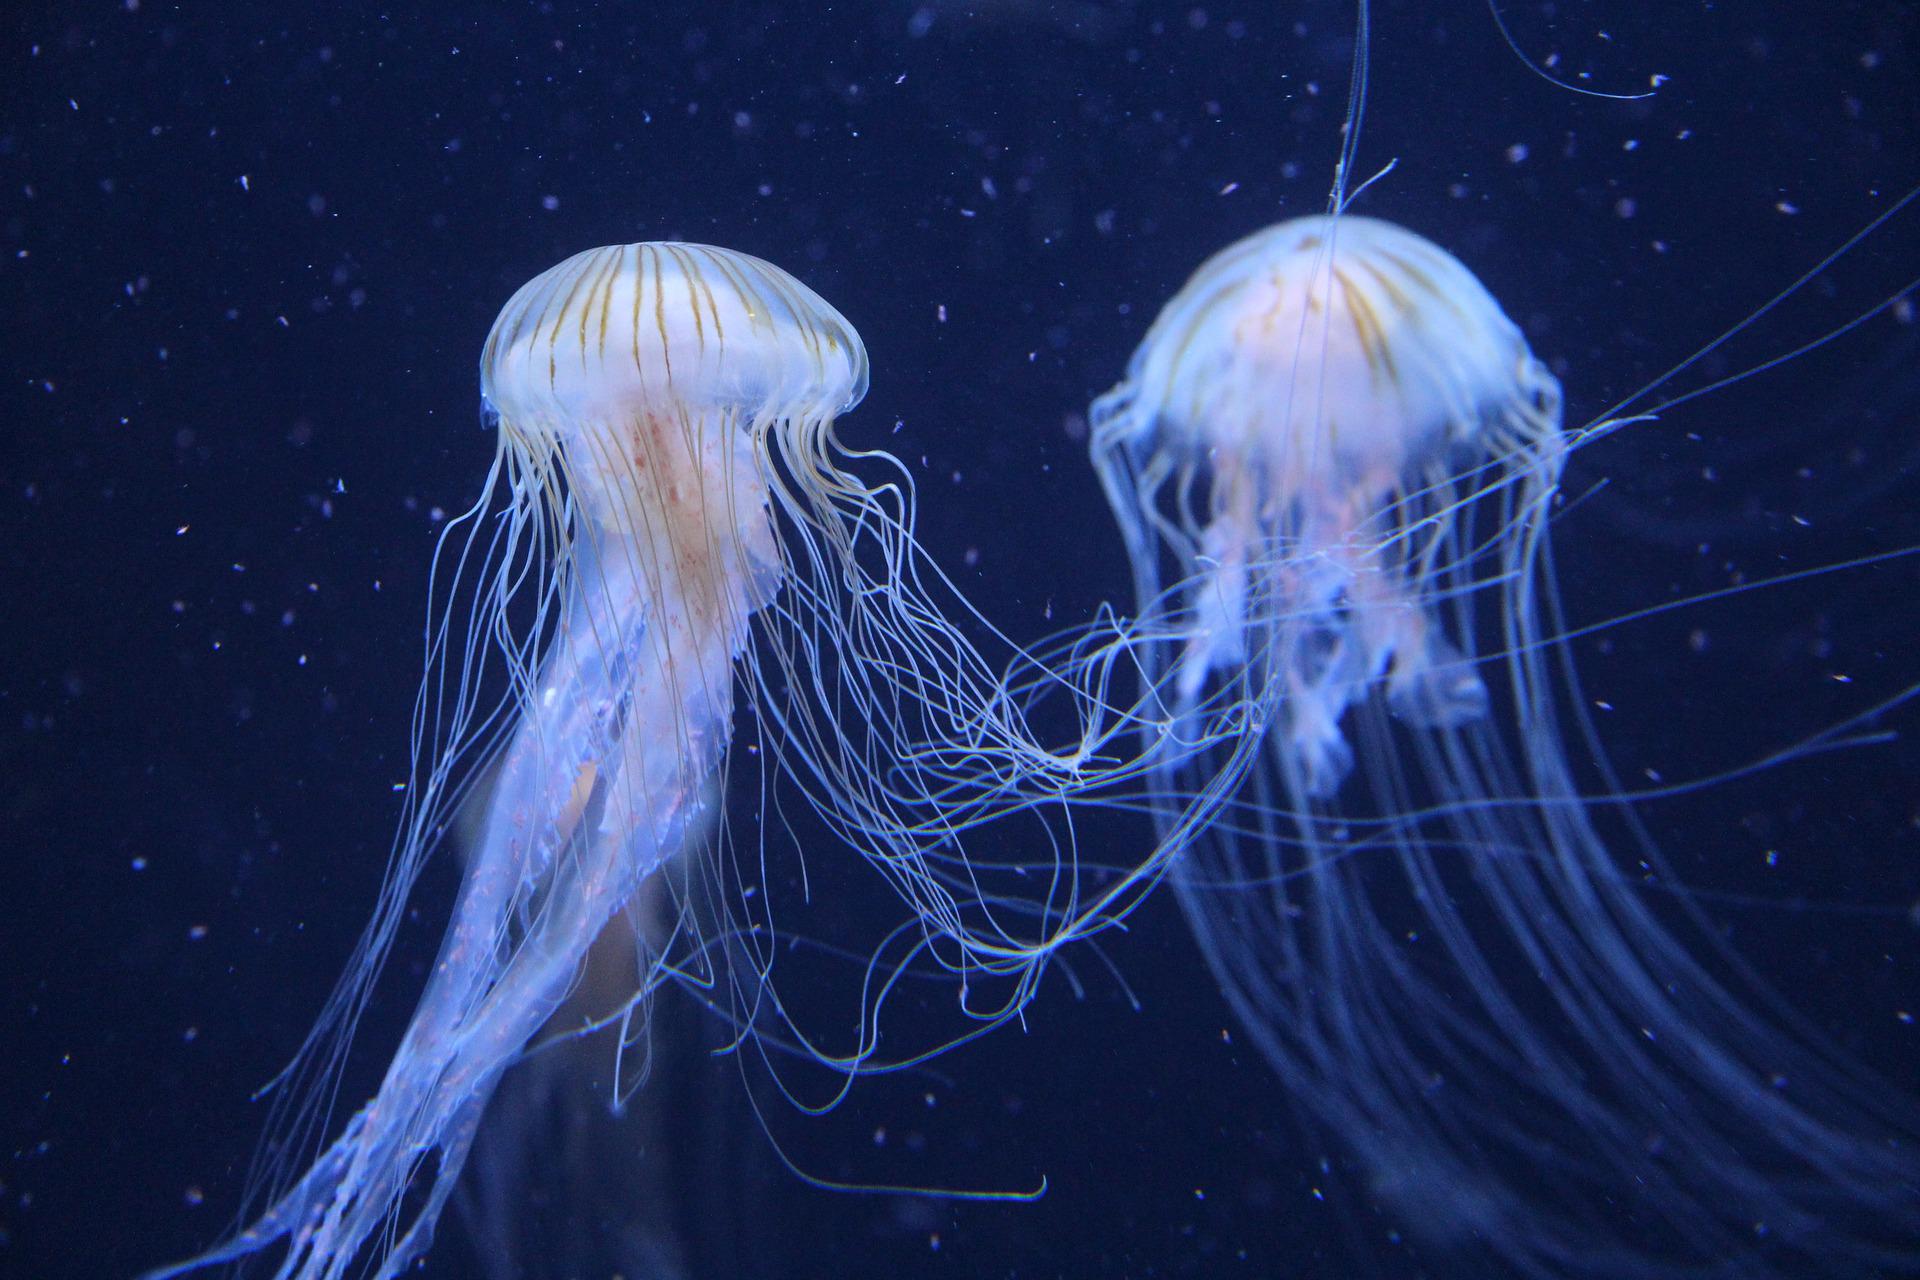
[
  {"x": 1332, "y": 605},
  {"x": 631, "y": 712}
]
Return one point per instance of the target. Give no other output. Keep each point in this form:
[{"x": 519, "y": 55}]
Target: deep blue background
[{"x": 250, "y": 255}]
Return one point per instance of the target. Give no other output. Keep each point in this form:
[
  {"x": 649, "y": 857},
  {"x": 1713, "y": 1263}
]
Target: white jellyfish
[
  {"x": 1335, "y": 459},
  {"x": 665, "y": 471}
]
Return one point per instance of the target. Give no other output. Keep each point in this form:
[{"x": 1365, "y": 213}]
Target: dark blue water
[{"x": 249, "y": 257}]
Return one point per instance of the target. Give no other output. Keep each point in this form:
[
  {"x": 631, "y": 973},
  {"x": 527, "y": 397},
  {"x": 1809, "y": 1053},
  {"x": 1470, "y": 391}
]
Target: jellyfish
[
  {"x": 672, "y": 535},
  {"x": 1335, "y": 460},
  {"x": 639, "y": 391}
]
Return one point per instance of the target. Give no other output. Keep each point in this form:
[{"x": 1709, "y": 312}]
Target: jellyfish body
[
  {"x": 1333, "y": 458},
  {"x": 1323, "y": 398},
  {"x": 669, "y": 507},
  {"x": 635, "y": 387}
]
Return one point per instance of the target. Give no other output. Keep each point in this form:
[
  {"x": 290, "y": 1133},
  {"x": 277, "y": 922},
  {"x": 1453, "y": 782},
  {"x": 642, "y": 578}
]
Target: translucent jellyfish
[
  {"x": 1334, "y": 459},
  {"x": 625, "y": 541},
  {"x": 669, "y": 535}
]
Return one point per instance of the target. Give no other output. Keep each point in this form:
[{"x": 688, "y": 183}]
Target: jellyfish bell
[
  {"x": 1334, "y": 461},
  {"x": 622, "y": 351},
  {"x": 669, "y": 326},
  {"x": 1340, "y": 351},
  {"x": 1326, "y": 377},
  {"x": 651, "y": 375},
  {"x": 637, "y": 388}
]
